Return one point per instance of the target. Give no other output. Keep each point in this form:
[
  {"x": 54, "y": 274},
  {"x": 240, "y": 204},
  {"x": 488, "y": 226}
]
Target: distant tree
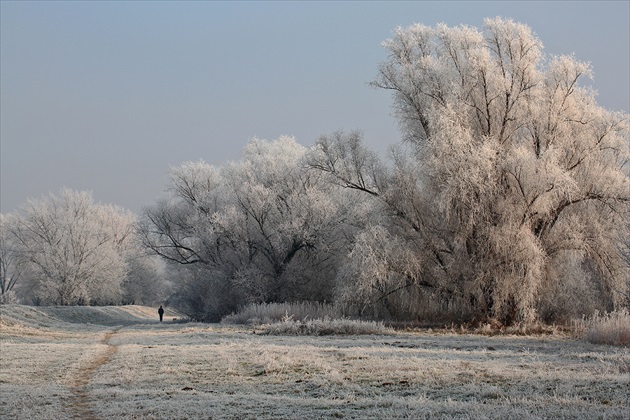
[
  {"x": 73, "y": 248},
  {"x": 145, "y": 282}
]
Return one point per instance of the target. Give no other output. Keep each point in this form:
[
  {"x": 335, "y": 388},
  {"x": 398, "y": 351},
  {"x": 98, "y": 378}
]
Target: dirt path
[{"x": 80, "y": 400}]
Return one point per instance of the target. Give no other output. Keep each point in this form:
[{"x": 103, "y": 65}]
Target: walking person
[{"x": 161, "y": 312}]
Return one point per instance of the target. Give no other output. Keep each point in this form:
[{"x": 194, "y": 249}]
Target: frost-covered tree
[
  {"x": 12, "y": 265},
  {"x": 145, "y": 282},
  {"x": 74, "y": 248},
  {"x": 525, "y": 169},
  {"x": 509, "y": 198},
  {"x": 399, "y": 263},
  {"x": 263, "y": 229}
]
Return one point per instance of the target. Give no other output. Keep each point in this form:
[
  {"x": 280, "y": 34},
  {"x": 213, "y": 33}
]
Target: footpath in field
[
  {"x": 80, "y": 401},
  {"x": 49, "y": 356},
  {"x": 144, "y": 369}
]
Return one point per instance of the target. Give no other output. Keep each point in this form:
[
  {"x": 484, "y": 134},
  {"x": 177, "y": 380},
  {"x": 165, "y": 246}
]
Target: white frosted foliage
[{"x": 525, "y": 168}]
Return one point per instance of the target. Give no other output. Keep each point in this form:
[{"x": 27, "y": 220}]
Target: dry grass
[
  {"x": 194, "y": 371},
  {"x": 268, "y": 313},
  {"x": 303, "y": 318},
  {"x": 524, "y": 329},
  {"x": 610, "y": 328},
  {"x": 326, "y": 327}
]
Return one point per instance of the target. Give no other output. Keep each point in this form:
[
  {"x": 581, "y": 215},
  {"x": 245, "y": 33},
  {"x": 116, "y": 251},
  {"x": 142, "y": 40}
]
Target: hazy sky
[{"x": 106, "y": 96}]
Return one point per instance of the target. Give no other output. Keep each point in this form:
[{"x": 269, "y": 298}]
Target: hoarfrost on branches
[
  {"x": 527, "y": 171},
  {"x": 263, "y": 229}
]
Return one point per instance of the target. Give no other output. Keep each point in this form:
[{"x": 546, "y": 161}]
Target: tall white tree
[
  {"x": 74, "y": 248},
  {"x": 525, "y": 168}
]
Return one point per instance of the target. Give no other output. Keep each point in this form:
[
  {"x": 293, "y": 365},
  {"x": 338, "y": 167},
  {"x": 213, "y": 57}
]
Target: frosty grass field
[{"x": 119, "y": 362}]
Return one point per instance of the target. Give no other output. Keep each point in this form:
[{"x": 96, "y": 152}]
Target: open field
[{"x": 95, "y": 363}]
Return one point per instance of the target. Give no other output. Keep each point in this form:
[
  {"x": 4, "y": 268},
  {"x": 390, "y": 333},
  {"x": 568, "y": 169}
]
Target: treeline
[{"x": 508, "y": 199}]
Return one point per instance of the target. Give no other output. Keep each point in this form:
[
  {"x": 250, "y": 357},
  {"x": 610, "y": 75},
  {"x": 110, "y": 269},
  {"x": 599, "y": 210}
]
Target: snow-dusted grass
[
  {"x": 609, "y": 328},
  {"x": 170, "y": 370},
  {"x": 268, "y": 313},
  {"x": 302, "y": 318},
  {"x": 326, "y": 326}
]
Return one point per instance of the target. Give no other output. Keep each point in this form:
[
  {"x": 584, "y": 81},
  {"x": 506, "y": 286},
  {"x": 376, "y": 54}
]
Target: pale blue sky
[{"x": 106, "y": 96}]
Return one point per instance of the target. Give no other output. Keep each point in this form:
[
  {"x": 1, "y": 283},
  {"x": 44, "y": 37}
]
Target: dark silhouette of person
[{"x": 161, "y": 312}]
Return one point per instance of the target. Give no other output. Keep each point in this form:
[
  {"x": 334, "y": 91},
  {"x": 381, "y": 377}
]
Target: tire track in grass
[{"x": 79, "y": 401}]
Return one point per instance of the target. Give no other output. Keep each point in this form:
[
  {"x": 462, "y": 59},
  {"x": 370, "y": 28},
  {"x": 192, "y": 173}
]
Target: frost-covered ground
[{"x": 121, "y": 363}]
